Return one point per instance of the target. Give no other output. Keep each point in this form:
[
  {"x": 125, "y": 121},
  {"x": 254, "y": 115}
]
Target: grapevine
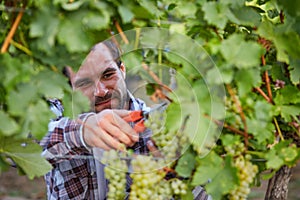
[{"x": 253, "y": 44}]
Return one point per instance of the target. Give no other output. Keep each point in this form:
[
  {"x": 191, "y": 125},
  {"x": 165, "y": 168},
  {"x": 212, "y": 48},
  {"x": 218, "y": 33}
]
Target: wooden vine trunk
[{"x": 278, "y": 184}]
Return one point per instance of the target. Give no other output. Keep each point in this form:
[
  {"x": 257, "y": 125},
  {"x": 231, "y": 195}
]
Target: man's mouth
[{"x": 103, "y": 100}]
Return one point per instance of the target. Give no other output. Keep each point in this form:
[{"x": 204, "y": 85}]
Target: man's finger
[
  {"x": 125, "y": 127},
  {"x": 118, "y": 134},
  {"x": 111, "y": 141},
  {"x": 121, "y": 113}
]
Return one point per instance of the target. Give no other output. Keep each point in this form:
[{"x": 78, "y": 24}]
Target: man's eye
[
  {"x": 108, "y": 75},
  {"x": 84, "y": 84}
]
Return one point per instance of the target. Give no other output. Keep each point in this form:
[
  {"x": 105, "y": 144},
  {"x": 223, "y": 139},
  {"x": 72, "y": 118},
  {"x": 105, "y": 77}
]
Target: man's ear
[
  {"x": 123, "y": 69},
  {"x": 68, "y": 72}
]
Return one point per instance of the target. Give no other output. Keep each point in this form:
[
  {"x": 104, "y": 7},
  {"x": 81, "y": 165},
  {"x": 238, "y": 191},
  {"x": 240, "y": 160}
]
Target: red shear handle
[
  {"x": 139, "y": 126},
  {"x": 137, "y": 118},
  {"x": 134, "y": 116}
]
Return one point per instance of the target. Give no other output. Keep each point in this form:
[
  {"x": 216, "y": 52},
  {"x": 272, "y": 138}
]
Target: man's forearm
[{"x": 64, "y": 140}]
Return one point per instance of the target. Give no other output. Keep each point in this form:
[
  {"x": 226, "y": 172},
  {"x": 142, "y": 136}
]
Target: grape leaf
[
  {"x": 186, "y": 9},
  {"x": 72, "y": 33},
  {"x": 246, "y": 79},
  {"x": 125, "y": 13},
  {"x": 287, "y": 91},
  {"x": 229, "y": 140},
  {"x": 261, "y": 125},
  {"x": 241, "y": 53},
  {"x": 8, "y": 126},
  {"x": 283, "y": 153},
  {"x": 150, "y": 7},
  {"x": 27, "y": 156},
  {"x": 73, "y": 6},
  {"x": 227, "y": 179},
  {"x": 289, "y": 112},
  {"x": 19, "y": 100},
  {"x": 186, "y": 164},
  {"x": 289, "y": 154},
  {"x": 215, "y": 13},
  {"x": 291, "y": 6},
  {"x": 209, "y": 167},
  {"x": 246, "y": 16},
  {"x": 285, "y": 40},
  {"x": 50, "y": 84},
  {"x": 75, "y": 104},
  {"x": 295, "y": 71},
  {"x": 96, "y": 20},
  {"x": 37, "y": 119},
  {"x": 45, "y": 28},
  {"x": 14, "y": 75}
]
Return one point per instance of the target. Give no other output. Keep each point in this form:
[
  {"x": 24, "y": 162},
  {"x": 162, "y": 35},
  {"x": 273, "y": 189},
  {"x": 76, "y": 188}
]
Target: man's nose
[{"x": 100, "y": 89}]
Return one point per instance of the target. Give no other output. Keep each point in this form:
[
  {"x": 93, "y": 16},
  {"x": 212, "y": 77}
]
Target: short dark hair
[{"x": 114, "y": 50}]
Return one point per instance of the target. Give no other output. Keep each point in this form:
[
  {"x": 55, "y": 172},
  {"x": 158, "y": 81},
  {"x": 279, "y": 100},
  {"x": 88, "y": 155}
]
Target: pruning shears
[{"x": 138, "y": 117}]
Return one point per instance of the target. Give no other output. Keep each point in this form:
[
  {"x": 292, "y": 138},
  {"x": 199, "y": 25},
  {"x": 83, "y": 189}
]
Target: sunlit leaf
[
  {"x": 215, "y": 13},
  {"x": 27, "y": 156},
  {"x": 45, "y": 28},
  {"x": 243, "y": 54},
  {"x": 72, "y": 34},
  {"x": 8, "y": 126},
  {"x": 186, "y": 164},
  {"x": 125, "y": 13},
  {"x": 247, "y": 79}
]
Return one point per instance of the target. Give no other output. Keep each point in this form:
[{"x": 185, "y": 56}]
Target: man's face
[{"x": 102, "y": 80}]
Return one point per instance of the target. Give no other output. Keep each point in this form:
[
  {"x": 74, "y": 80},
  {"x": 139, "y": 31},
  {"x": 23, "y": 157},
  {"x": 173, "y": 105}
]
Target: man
[{"x": 69, "y": 143}]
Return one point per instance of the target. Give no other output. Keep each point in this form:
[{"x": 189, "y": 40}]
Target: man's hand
[{"x": 108, "y": 130}]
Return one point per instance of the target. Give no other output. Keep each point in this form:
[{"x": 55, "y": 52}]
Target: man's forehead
[
  {"x": 96, "y": 61},
  {"x": 96, "y": 68}
]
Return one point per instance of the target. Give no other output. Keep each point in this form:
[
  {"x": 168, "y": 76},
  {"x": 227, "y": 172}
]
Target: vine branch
[
  {"x": 267, "y": 80},
  {"x": 263, "y": 94},
  {"x": 120, "y": 31},
  {"x": 226, "y": 126},
  {"x": 12, "y": 31}
]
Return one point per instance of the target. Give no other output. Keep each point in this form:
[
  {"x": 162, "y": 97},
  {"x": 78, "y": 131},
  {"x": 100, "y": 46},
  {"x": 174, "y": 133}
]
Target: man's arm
[
  {"x": 67, "y": 139},
  {"x": 64, "y": 140},
  {"x": 108, "y": 130}
]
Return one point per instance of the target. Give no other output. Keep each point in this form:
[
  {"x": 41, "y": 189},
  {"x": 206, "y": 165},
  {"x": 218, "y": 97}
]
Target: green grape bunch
[
  {"x": 145, "y": 177},
  {"x": 168, "y": 142},
  {"x": 115, "y": 172},
  {"x": 246, "y": 174}
]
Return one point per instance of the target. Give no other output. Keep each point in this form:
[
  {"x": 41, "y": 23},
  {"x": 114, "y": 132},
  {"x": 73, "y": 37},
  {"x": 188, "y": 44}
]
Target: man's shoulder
[
  {"x": 138, "y": 104},
  {"x": 56, "y": 107}
]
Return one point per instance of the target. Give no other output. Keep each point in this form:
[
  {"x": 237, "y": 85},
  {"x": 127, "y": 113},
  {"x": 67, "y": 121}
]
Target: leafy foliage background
[{"x": 254, "y": 44}]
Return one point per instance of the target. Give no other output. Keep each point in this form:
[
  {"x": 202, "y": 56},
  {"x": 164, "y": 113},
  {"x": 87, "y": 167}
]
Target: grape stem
[
  {"x": 278, "y": 129},
  {"x": 21, "y": 47},
  {"x": 241, "y": 113}
]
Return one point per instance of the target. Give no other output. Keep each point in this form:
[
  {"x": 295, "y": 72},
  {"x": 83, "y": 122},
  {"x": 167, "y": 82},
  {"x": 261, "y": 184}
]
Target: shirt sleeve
[{"x": 64, "y": 140}]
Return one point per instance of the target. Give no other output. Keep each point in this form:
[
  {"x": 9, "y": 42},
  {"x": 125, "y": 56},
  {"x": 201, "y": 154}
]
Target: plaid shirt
[{"x": 74, "y": 171}]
